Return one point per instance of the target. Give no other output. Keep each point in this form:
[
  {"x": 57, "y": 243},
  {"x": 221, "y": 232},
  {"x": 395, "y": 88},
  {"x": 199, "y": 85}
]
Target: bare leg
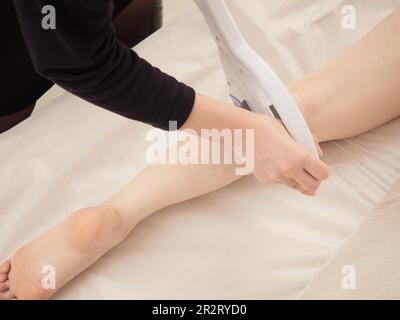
[
  {"x": 355, "y": 93},
  {"x": 160, "y": 186},
  {"x": 88, "y": 234},
  {"x": 359, "y": 90}
]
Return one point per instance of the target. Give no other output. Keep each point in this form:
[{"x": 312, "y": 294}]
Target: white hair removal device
[{"x": 252, "y": 82}]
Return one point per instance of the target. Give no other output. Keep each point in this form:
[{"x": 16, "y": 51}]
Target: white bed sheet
[{"x": 246, "y": 241}]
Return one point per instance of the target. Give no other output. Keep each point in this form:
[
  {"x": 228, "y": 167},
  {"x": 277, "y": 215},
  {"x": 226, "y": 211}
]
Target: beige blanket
[{"x": 368, "y": 265}]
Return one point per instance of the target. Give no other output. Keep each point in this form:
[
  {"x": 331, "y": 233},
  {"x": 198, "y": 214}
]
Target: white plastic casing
[{"x": 251, "y": 80}]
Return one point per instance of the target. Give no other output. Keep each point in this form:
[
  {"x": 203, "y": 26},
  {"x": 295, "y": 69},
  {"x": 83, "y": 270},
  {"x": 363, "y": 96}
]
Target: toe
[
  {"x": 7, "y": 295},
  {"x": 4, "y": 286},
  {"x": 3, "y": 277},
  {"x": 5, "y": 267}
]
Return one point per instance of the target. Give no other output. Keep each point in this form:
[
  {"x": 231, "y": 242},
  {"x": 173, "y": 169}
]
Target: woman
[{"x": 367, "y": 78}]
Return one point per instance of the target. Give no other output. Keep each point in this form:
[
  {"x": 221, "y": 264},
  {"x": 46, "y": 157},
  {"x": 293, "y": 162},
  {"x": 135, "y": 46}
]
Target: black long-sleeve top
[{"x": 83, "y": 56}]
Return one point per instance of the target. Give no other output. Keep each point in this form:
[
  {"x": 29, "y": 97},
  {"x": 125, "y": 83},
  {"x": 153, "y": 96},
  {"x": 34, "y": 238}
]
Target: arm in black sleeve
[{"x": 83, "y": 56}]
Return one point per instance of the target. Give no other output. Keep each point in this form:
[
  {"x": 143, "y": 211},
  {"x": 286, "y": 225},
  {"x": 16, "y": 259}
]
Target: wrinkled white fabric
[{"x": 246, "y": 241}]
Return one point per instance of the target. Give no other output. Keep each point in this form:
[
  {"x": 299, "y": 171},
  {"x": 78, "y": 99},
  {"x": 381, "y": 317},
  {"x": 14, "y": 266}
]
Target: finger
[
  {"x": 304, "y": 192},
  {"x": 309, "y": 183},
  {"x": 291, "y": 183},
  {"x": 320, "y": 152},
  {"x": 316, "y": 168},
  {"x": 300, "y": 189}
]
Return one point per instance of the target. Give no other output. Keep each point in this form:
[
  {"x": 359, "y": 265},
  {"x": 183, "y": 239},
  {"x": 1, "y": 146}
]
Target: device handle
[
  {"x": 250, "y": 78},
  {"x": 221, "y": 23}
]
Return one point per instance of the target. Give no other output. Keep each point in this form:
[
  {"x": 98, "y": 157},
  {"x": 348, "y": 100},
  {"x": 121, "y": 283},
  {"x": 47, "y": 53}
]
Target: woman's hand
[
  {"x": 280, "y": 159},
  {"x": 277, "y": 157}
]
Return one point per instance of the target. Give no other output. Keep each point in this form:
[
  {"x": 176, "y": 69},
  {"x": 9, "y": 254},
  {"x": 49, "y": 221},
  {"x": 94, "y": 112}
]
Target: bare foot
[{"x": 66, "y": 249}]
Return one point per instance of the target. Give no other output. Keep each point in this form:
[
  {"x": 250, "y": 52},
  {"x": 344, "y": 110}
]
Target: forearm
[
  {"x": 359, "y": 90},
  {"x": 209, "y": 113}
]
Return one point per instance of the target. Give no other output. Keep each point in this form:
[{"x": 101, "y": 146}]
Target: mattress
[{"x": 246, "y": 241}]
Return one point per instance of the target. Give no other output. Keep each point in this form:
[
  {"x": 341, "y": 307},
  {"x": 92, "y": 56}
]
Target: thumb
[{"x": 320, "y": 152}]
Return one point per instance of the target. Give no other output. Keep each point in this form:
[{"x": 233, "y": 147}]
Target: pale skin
[{"x": 353, "y": 94}]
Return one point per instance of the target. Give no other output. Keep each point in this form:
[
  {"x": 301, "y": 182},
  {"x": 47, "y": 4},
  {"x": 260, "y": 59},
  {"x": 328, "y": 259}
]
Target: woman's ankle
[{"x": 93, "y": 227}]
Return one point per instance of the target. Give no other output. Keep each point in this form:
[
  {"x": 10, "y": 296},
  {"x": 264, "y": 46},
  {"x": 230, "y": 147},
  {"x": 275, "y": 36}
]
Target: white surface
[
  {"x": 173, "y": 9},
  {"x": 245, "y": 241}
]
